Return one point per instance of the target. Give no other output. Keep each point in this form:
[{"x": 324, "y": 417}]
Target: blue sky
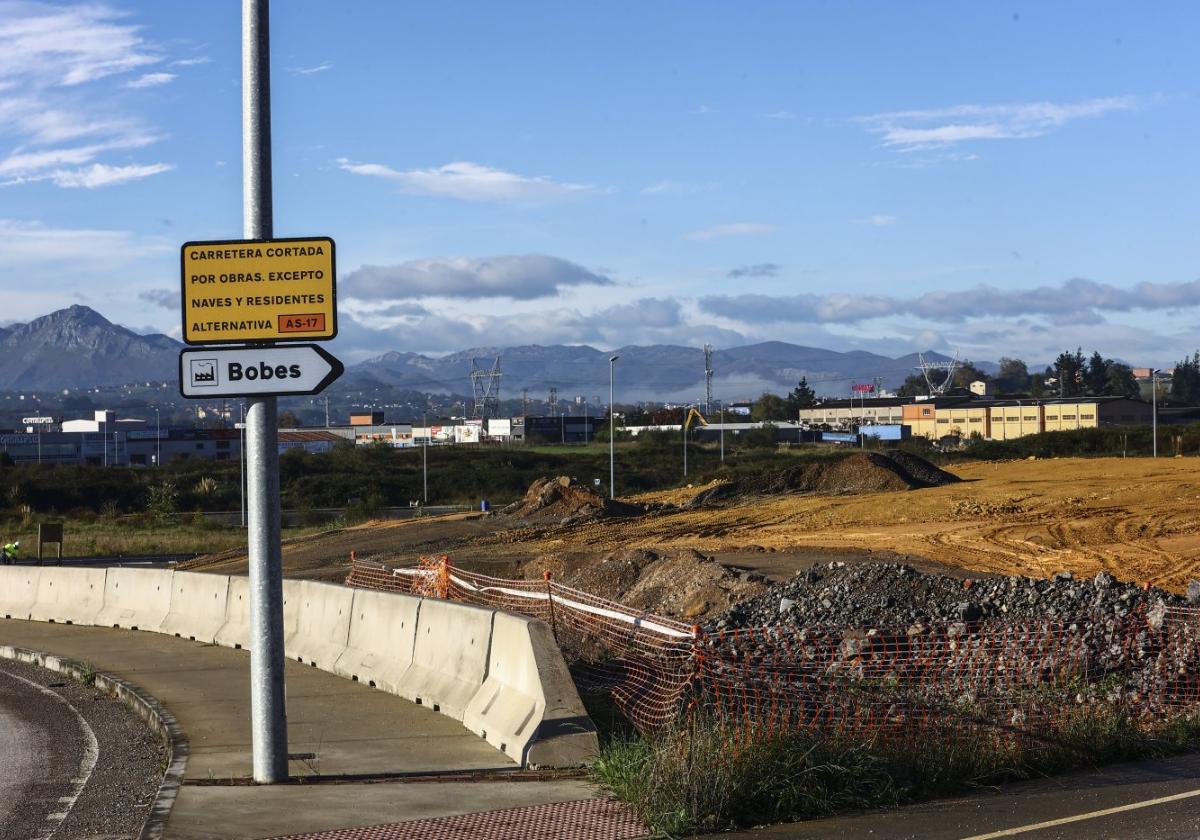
[{"x": 993, "y": 180}]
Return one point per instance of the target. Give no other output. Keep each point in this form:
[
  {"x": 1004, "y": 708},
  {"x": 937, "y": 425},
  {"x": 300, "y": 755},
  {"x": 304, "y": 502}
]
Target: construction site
[{"x": 1132, "y": 518}]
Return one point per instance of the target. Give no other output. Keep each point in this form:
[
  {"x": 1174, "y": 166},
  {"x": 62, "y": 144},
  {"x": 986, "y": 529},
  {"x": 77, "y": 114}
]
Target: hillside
[{"x": 77, "y": 348}]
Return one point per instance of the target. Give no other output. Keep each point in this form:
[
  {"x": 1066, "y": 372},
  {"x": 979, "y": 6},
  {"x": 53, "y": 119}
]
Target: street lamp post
[
  {"x": 612, "y": 471},
  {"x": 685, "y": 419},
  {"x": 722, "y": 431},
  {"x": 425, "y": 461},
  {"x": 242, "y": 457},
  {"x": 157, "y": 439},
  {"x": 1154, "y": 410}
]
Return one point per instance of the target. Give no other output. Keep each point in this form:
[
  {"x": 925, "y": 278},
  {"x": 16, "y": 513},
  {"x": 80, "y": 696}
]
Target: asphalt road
[
  {"x": 74, "y": 762},
  {"x": 48, "y": 749}
]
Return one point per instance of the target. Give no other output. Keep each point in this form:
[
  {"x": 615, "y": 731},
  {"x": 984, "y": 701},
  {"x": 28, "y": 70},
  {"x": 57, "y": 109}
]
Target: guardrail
[{"x": 501, "y": 675}]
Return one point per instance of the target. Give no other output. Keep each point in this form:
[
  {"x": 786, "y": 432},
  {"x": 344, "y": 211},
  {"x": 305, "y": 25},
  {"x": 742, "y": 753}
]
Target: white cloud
[
  {"x": 191, "y": 62},
  {"x": 1075, "y": 301},
  {"x": 469, "y": 182},
  {"x": 668, "y": 187},
  {"x": 735, "y": 229},
  {"x": 781, "y": 115},
  {"x": 703, "y": 111},
  {"x": 877, "y": 220},
  {"x": 642, "y": 321},
  {"x": 40, "y": 165},
  {"x": 47, "y": 52},
  {"x": 522, "y": 277},
  {"x": 151, "y": 80},
  {"x": 101, "y": 175},
  {"x": 308, "y": 71},
  {"x": 937, "y": 128},
  {"x": 29, "y": 243},
  {"x": 756, "y": 270},
  {"x": 69, "y": 45},
  {"x": 166, "y": 298}
]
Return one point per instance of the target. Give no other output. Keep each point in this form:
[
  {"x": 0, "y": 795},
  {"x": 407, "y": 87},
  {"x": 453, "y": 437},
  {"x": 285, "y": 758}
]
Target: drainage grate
[{"x": 585, "y": 819}]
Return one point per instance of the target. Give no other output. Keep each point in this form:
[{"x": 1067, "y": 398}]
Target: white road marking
[
  {"x": 87, "y": 764},
  {"x": 1091, "y": 815}
]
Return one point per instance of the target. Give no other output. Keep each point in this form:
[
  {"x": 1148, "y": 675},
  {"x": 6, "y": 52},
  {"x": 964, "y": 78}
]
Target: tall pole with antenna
[
  {"x": 612, "y": 470},
  {"x": 708, "y": 378}
]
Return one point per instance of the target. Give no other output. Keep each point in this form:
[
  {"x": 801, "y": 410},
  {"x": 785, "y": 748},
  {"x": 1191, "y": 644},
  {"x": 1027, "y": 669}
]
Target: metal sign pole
[{"x": 267, "y": 714}]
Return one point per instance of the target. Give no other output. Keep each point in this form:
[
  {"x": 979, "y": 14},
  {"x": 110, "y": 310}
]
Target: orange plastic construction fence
[{"x": 1008, "y": 678}]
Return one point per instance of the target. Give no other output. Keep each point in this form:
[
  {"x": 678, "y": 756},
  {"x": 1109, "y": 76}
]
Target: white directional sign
[{"x": 283, "y": 370}]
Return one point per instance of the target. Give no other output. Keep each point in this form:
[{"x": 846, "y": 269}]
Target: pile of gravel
[
  {"x": 895, "y": 595},
  {"x": 1008, "y": 641},
  {"x": 860, "y": 472}
]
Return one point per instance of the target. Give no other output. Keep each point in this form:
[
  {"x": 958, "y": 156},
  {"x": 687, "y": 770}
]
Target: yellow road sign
[{"x": 241, "y": 290}]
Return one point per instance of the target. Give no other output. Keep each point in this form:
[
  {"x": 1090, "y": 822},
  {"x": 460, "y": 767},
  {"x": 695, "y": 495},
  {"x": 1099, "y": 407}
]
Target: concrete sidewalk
[{"x": 348, "y": 728}]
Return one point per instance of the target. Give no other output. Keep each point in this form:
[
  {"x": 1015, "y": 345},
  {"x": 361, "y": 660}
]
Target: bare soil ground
[{"x": 1137, "y": 519}]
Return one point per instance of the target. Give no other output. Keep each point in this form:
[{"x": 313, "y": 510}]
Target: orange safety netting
[{"x": 1001, "y": 677}]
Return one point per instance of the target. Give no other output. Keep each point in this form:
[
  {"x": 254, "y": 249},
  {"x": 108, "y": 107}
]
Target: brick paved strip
[{"x": 584, "y": 819}]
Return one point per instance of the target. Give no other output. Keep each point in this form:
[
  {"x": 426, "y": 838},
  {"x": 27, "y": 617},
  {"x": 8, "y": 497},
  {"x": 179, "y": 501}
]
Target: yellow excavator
[{"x": 693, "y": 414}]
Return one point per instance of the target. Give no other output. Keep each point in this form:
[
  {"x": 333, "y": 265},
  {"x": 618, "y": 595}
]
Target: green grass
[
  {"x": 712, "y": 775},
  {"x": 132, "y": 535}
]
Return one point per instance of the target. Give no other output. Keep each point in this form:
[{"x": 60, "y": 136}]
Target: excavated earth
[
  {"x": 1135, "y": 520},
  {"x": 565, "y": 501},
  {"x": 684, "y": 585},
  {"x": 896, "y": 595},
  {"x": 860, "y": 472}
]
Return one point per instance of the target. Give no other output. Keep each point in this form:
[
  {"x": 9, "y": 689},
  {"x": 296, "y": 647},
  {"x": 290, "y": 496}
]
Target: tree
[
  {"x": 771, "y": 407},
  {"x": 1037, "y": 384},
  {"x": 966, "y": 373},
  {"x": 914, "y": 386},
  {"x": 1068, "y": 371},
  {"x": 1185, "y": 381},
  {"x": 802, "y": 396},
  {"x": 1095, "y": 375},
  {"x": 1013, "y": 377},
  {"x": 288, "y": 420},
  {"x": 1121, "y": 381}
]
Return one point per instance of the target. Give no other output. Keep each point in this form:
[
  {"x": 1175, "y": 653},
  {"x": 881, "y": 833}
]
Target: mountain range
[{"x": 77, "y": 348}]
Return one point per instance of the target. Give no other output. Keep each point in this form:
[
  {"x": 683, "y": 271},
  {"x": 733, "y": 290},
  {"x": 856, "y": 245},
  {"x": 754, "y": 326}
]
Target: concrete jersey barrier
[
  {"x": 234, "y": 631},
  {"x": 528, "y": 706},
  {"x": 317, "y": 621},
  {"x": 450, "y": 656},
  {"x": 135, "y": 599},
  {"x": 69, "y": 596},
  {"x": 501, "y": 675},
  {"x": 18, "y": 590},
  {"x": 198, "y": 604},
  {"x": 383, "y": 631}
]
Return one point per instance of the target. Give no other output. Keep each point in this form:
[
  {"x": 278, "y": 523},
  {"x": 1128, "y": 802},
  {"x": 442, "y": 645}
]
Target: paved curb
[{"x": 146, "y": 706}]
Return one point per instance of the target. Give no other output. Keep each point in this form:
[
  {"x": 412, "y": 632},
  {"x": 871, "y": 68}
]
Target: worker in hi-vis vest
[{"x": 9, "y": 553}]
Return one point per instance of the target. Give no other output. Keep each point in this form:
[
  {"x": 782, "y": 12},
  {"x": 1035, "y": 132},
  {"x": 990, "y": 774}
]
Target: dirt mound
[
  {"x": 861, "y": 472},
  {"x": 922, "y": 472},
  {"x": 685, "y": 585},
  {"x": 564, "y": 500}
]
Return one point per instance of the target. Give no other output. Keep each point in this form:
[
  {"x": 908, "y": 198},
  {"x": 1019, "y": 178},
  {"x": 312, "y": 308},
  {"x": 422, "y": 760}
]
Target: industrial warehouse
[
  {"x": 109, "y": 440},
  {"x": 972, "y": 416}
]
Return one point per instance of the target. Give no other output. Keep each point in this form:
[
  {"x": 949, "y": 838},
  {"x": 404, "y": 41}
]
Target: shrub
[
  {"x": 710, "y": 774},
  {"x": 162, "y": 501}
]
